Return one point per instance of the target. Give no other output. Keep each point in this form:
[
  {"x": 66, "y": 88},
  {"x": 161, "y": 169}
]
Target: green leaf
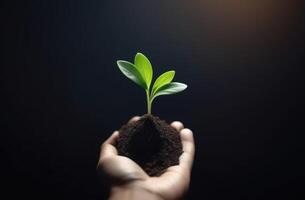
[
  {"x": 144, "y": 67},
  {"x": 162, "y": 80},
  {"x": 131, "y": 72},
  {"x": 170, "y": 88}
]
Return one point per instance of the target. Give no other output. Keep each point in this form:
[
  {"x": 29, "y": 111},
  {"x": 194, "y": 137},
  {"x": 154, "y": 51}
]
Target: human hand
[{"x": 130, "y": 181}]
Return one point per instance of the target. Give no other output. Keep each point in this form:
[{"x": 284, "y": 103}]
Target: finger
[
  {"x": 108, "y": 148},
  {"x": 188, "y": 145},
  {"x": 134, "y": 119},
  {"x": 112, "y": 139},
  {"x": 177, "y": 125}
]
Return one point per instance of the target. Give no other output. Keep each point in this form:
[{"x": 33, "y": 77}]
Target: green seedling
[{"x": 141, "y": 72}]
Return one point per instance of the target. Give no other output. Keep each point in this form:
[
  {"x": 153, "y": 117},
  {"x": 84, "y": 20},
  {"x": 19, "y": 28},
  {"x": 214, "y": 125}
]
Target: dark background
[{"x": 62, "y": 93}]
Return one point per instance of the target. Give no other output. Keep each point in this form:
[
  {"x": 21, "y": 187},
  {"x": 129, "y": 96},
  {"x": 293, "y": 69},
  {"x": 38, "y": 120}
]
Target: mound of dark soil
[{"x": 150, "y": 142}]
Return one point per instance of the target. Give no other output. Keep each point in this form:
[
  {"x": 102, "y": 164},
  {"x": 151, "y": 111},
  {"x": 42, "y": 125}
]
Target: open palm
[{"x": 172, "y": 184}]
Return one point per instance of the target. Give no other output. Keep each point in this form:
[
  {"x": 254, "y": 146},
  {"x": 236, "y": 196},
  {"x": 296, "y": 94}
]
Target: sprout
[{"x": 141, "y": 72}]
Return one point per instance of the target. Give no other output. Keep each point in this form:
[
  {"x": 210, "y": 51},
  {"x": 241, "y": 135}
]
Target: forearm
[{"x": 132, "y": 193}]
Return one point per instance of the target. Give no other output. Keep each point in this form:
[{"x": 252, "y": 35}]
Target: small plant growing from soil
[
  {"x": 141, "y": 72},
  {"x": 150, "y": 142}
]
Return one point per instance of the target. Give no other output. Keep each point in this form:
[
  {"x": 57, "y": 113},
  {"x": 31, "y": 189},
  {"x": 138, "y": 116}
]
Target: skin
[{"x": 129, "y": 181}]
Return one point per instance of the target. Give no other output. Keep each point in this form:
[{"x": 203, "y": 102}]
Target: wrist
[{"x": 132, "y": 192}]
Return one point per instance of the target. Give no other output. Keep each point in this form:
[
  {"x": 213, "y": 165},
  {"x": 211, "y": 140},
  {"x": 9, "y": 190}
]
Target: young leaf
[
  {"x": 170, "y": 88},
  {"x": 131, "y": 72},
  {"x": 163, "y": 79},
  {"x": 144, "y": 67}
]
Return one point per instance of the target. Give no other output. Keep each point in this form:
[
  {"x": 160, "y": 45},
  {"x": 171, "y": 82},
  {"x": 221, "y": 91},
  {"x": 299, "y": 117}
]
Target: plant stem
[{"x": 148, "y": 102}]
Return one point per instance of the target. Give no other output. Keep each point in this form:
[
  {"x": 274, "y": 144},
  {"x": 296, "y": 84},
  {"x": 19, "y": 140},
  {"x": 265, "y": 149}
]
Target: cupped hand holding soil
[{"x": 127, "y": 175}]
